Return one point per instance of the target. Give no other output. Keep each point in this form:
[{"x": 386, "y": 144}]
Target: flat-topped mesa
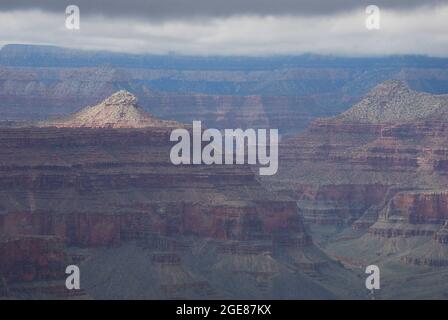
[
  {"x": 120, "y": 110},
  {"x": 394, "y": 102}
]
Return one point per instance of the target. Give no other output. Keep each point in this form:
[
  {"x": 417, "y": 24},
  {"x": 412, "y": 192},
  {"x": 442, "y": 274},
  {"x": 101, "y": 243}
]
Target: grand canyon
[{"x": 86, "y": 179}]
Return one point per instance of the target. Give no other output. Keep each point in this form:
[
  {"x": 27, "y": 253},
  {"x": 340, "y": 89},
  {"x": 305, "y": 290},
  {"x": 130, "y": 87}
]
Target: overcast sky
[{"x": 232, "y": 27}]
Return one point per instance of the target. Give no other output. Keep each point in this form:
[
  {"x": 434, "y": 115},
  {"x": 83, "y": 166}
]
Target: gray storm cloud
[
  {"x": 175, "y": 9},
  {"x": 232, "y": 27}
]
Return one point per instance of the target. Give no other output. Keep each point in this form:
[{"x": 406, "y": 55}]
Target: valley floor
[{"x": 399, "y": 280}]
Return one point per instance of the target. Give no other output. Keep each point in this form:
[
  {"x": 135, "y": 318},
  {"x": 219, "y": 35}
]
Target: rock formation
[
  {"x": 394, "y": 102},
  {"x": 380, "y": 169},
  {"x": 286, "y": 93},
  {"x": 120, "y": 110},
  {"x": 368, "y": 187},
  {"x": 100, "y": 183}
]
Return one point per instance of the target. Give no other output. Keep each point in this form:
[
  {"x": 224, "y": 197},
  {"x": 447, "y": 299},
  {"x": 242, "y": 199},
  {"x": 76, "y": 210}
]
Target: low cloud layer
[{"x": 421, "y": 30}]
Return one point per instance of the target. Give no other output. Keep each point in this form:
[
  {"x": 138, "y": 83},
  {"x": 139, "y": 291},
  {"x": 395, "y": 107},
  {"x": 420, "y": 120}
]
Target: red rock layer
[
  {"x": 95, "y": 187},
  {"x": 28, "y": 258}
]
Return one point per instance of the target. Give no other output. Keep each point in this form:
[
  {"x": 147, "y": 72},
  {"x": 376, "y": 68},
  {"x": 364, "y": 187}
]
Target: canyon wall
[
  {"x": 37, "y": 82},
  {"x": 379, "y": 169},
  {"x": 65, "y": 190}
]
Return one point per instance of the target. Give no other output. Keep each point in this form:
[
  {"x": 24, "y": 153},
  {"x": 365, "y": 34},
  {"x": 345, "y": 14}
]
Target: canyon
[
  {"x": 285, "y": 92},
  {"x": 86, "y": 177},
  {"x": 372, "y": 182},
  {"x": 106, "y": 197},
  {"x": 99, "y": 191}
]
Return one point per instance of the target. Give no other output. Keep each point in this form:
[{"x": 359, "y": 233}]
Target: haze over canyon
[{"x": 86, "y": 176}]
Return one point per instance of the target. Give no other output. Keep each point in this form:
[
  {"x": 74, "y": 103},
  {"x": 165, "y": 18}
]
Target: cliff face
[
  {"x": 28, "y": 258},
  {"x": 412, "y": 214},
  {"x": 378, "y": 167},
  {"x": 90, "y": 186},
  {"x": 112, "y": 197},
  {"x": 430, "y": 207}
]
